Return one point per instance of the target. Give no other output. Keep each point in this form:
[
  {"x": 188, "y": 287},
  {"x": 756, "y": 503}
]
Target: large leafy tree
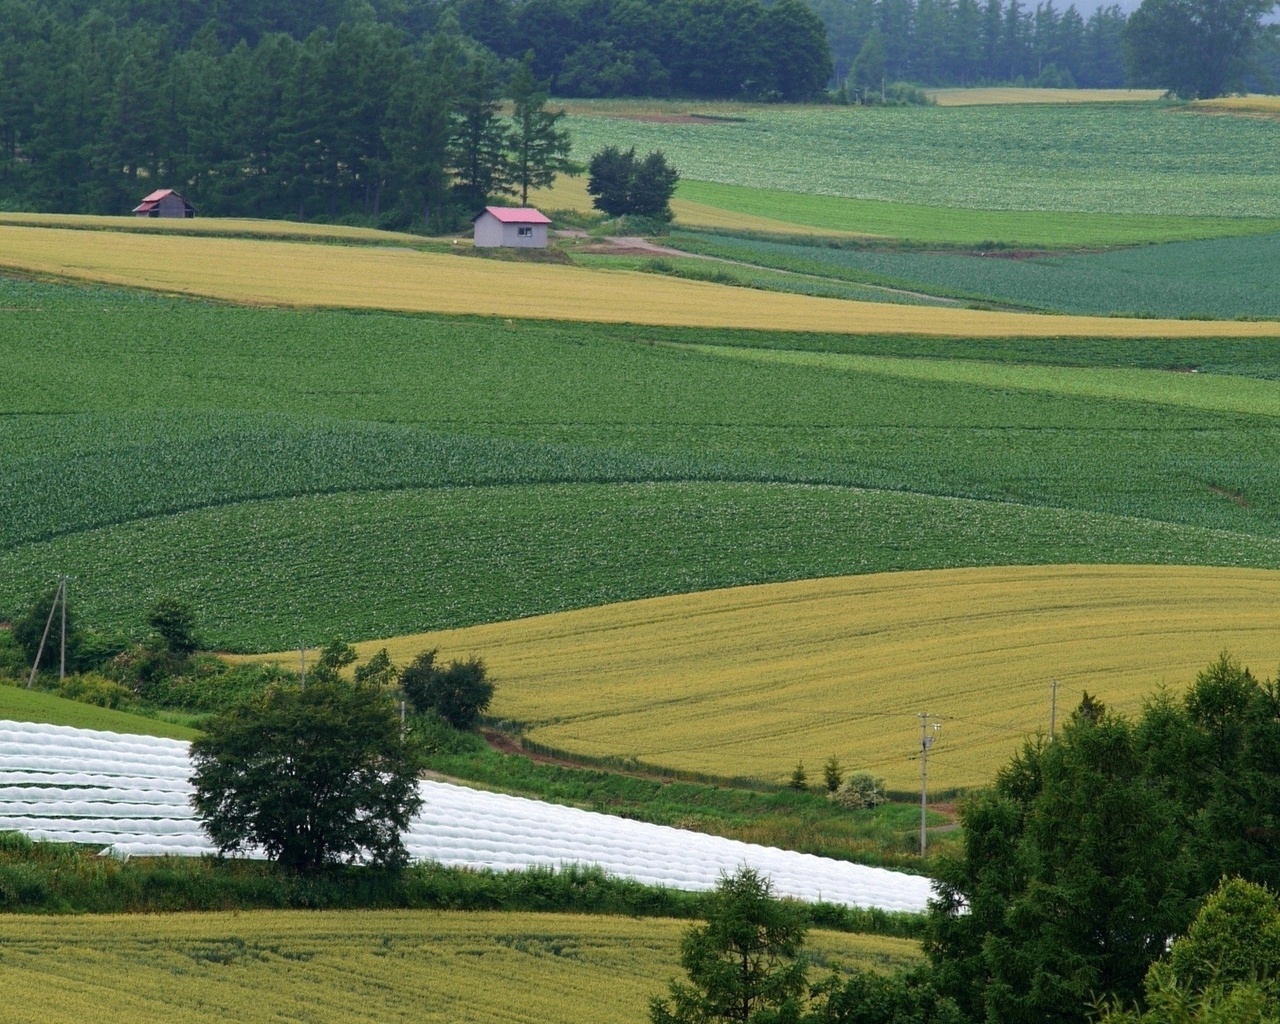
[
  {"x": 313, "y": 776},
  {"x": 1193, "y": 48}
]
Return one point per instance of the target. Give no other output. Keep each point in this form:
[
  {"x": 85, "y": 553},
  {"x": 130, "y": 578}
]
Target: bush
[
  {"x": 175, "y": 622},
  {"x": 624, "y": 186},
  {"x": 860, "y": 791},
  {"x": 459, "y": 693},
  {"x": 93, "y": 688}
]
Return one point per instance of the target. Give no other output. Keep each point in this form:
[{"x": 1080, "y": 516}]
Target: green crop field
[
  {"x": 1225, "y": 278},
  {"x": 302, "y": 474},
  {"x": 1084, "y": 174}
]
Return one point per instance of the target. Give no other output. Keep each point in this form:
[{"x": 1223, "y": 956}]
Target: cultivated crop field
[
  {"x": 300, "y": 274},
  {"x": 1223, "y": 278},
  {"x": 231, "y": 227},
  {"x": 297, "y": 475},
  {"x": 1083, "y": 158},
  {"x": 842, "y": 666},
  {"x": 460, "y": 968}
]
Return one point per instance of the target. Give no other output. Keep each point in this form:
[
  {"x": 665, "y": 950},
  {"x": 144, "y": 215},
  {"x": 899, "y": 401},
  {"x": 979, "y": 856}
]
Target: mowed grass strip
[
  {"x": 293, "y": 274},
  {"x": 747, "y": 682},
  {"x": 18, "y": 704},
  {"x": 352, "y": 966}
]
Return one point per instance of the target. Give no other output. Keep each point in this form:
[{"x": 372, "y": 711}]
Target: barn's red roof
[
  {"x": 515, "y": 215},
  {"x": 157, "y": 195}
]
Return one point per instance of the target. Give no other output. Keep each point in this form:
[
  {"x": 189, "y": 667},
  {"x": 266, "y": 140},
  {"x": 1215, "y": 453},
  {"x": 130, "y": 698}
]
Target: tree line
[{"x": 358, "y": 123}]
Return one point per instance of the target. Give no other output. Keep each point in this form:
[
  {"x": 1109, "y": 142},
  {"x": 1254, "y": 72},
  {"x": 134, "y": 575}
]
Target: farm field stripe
[
  {"x": 1189, "y": 390},
  {"x": 291, "y": 274},
  {"x": 748, "y": 681},
  {"x": 1001, "y": 95},
  {"x": 132, "y": 794},
  {"x": 359, "y": 967},
  {"x": 243, "y": 227}
]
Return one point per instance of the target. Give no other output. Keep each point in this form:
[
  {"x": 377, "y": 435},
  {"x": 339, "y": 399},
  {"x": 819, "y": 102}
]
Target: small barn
[
  {"x": 517, "y": 227},
  {"x": 164, "y": 202}
]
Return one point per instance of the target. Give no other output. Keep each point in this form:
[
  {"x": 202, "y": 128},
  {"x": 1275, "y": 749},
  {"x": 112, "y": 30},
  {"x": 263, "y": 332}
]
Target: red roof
[
  {"x": 157, "y": 195},
  {"x": 512, "y": 214}
]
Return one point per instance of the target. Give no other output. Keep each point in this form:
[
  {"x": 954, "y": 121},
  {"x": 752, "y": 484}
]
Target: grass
[
  {"x": 1222, "y": 278},
  {"x": 842, "y": 666},
  {"x": 359, "y": 966},
  {"x": 298, "y": 274},
  {"x": 18, "y": 704},
  {"x": 300, "y": 474}
]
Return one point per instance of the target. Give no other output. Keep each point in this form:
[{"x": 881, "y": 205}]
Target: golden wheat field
[
  {"x": 746, "y": 682},
  {"x": 365, "y": 277},
  {"x": 222, "y": 226},
  {"x": 1253, "y": 103},
  {"x": 352, "y": 966},
  {"x": 1013, "y": 95}
]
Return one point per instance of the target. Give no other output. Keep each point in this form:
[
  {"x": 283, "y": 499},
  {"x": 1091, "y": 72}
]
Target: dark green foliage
[
  {"x": 622, "y": 185},
  {"x": 314, "y": 777},
  {"x": 1091, "y": 851},
  {"x": 832, "y": 774},
  {"x": 799, "y": 778},
  {"x": 459, "y": 693},
  {"x": 336, "y": 655},
  {"x": 1196, "y": 49},
  {"x": 867, "y": 998},
  {"x": 30, "y": 629},
  {"x": 175, "y": 621},
  {"x": 539, "y": 146},
  {"x": 1234, "y": 938},
  {"x": 744, "y": 964},
  {"x": 379, "y": 671},
  {"x": 59, "y": 879},
  {"x": 477, "y": 143}
]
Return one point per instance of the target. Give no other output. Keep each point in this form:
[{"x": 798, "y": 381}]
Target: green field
[
  {"x": 303, "y": 474},
  {"x": 1217, "y": 278},
  {"x": 1082, "y": 174},
  {"x": 22, "y": 705}
]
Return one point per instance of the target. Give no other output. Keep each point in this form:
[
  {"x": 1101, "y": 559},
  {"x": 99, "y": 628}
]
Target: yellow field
[
  {"x": 296, "y": 274},
  {"x": 1011, "y": 95},
  {"x": 350, "y": 966},
  {"x": 220, "y": 226},
  {"x": 750, "y": 680},
  {"x": 1252, "y": 104},
  {"x": 571, "y": 194}
]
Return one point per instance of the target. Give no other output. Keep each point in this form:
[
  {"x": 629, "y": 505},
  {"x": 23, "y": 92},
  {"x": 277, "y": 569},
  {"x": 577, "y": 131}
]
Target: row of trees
[
  {"x": 968, "y": 42},
  {"x": 355, "y": 123}
]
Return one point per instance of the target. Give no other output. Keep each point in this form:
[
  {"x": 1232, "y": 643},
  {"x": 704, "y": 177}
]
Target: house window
[{"x": 525, "y": 232}]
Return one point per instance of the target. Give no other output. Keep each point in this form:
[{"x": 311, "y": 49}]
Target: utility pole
[
  {"x": 59, "y": 594},
  {"x": 926, "y": 741},
  {"x": 1053, "y": 711},
  {"x": 302, "y": 660},
  {"x": 62, "y": 660}
]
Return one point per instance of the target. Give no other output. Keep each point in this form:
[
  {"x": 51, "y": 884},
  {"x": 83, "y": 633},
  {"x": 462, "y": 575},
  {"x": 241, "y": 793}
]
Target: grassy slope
[
  {"x": 369, "y": 277},
  {"x": 1222, "y": 278},
  {"x": 841, "y": 666},
  {"x": 229, "y": 227},
  {"x": 21, "y": 705},
  {"x": 300, "y": 474},
  {"x": 471, "y": 968}
]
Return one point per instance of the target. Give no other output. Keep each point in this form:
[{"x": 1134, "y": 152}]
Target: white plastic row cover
[{"x": 77, "y": 785}]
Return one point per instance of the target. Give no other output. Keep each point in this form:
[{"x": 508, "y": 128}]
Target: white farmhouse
[{"x": 518, "y": 227}]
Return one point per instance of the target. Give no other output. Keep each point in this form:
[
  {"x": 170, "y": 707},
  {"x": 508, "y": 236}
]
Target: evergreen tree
[
  {"x": 539, "y": 147},
  {"x": 477, "y": 142}
]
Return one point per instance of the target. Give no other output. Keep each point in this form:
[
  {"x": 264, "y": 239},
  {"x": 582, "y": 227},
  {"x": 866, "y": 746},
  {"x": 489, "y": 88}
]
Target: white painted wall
[{"x": 491, "y": 233}]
